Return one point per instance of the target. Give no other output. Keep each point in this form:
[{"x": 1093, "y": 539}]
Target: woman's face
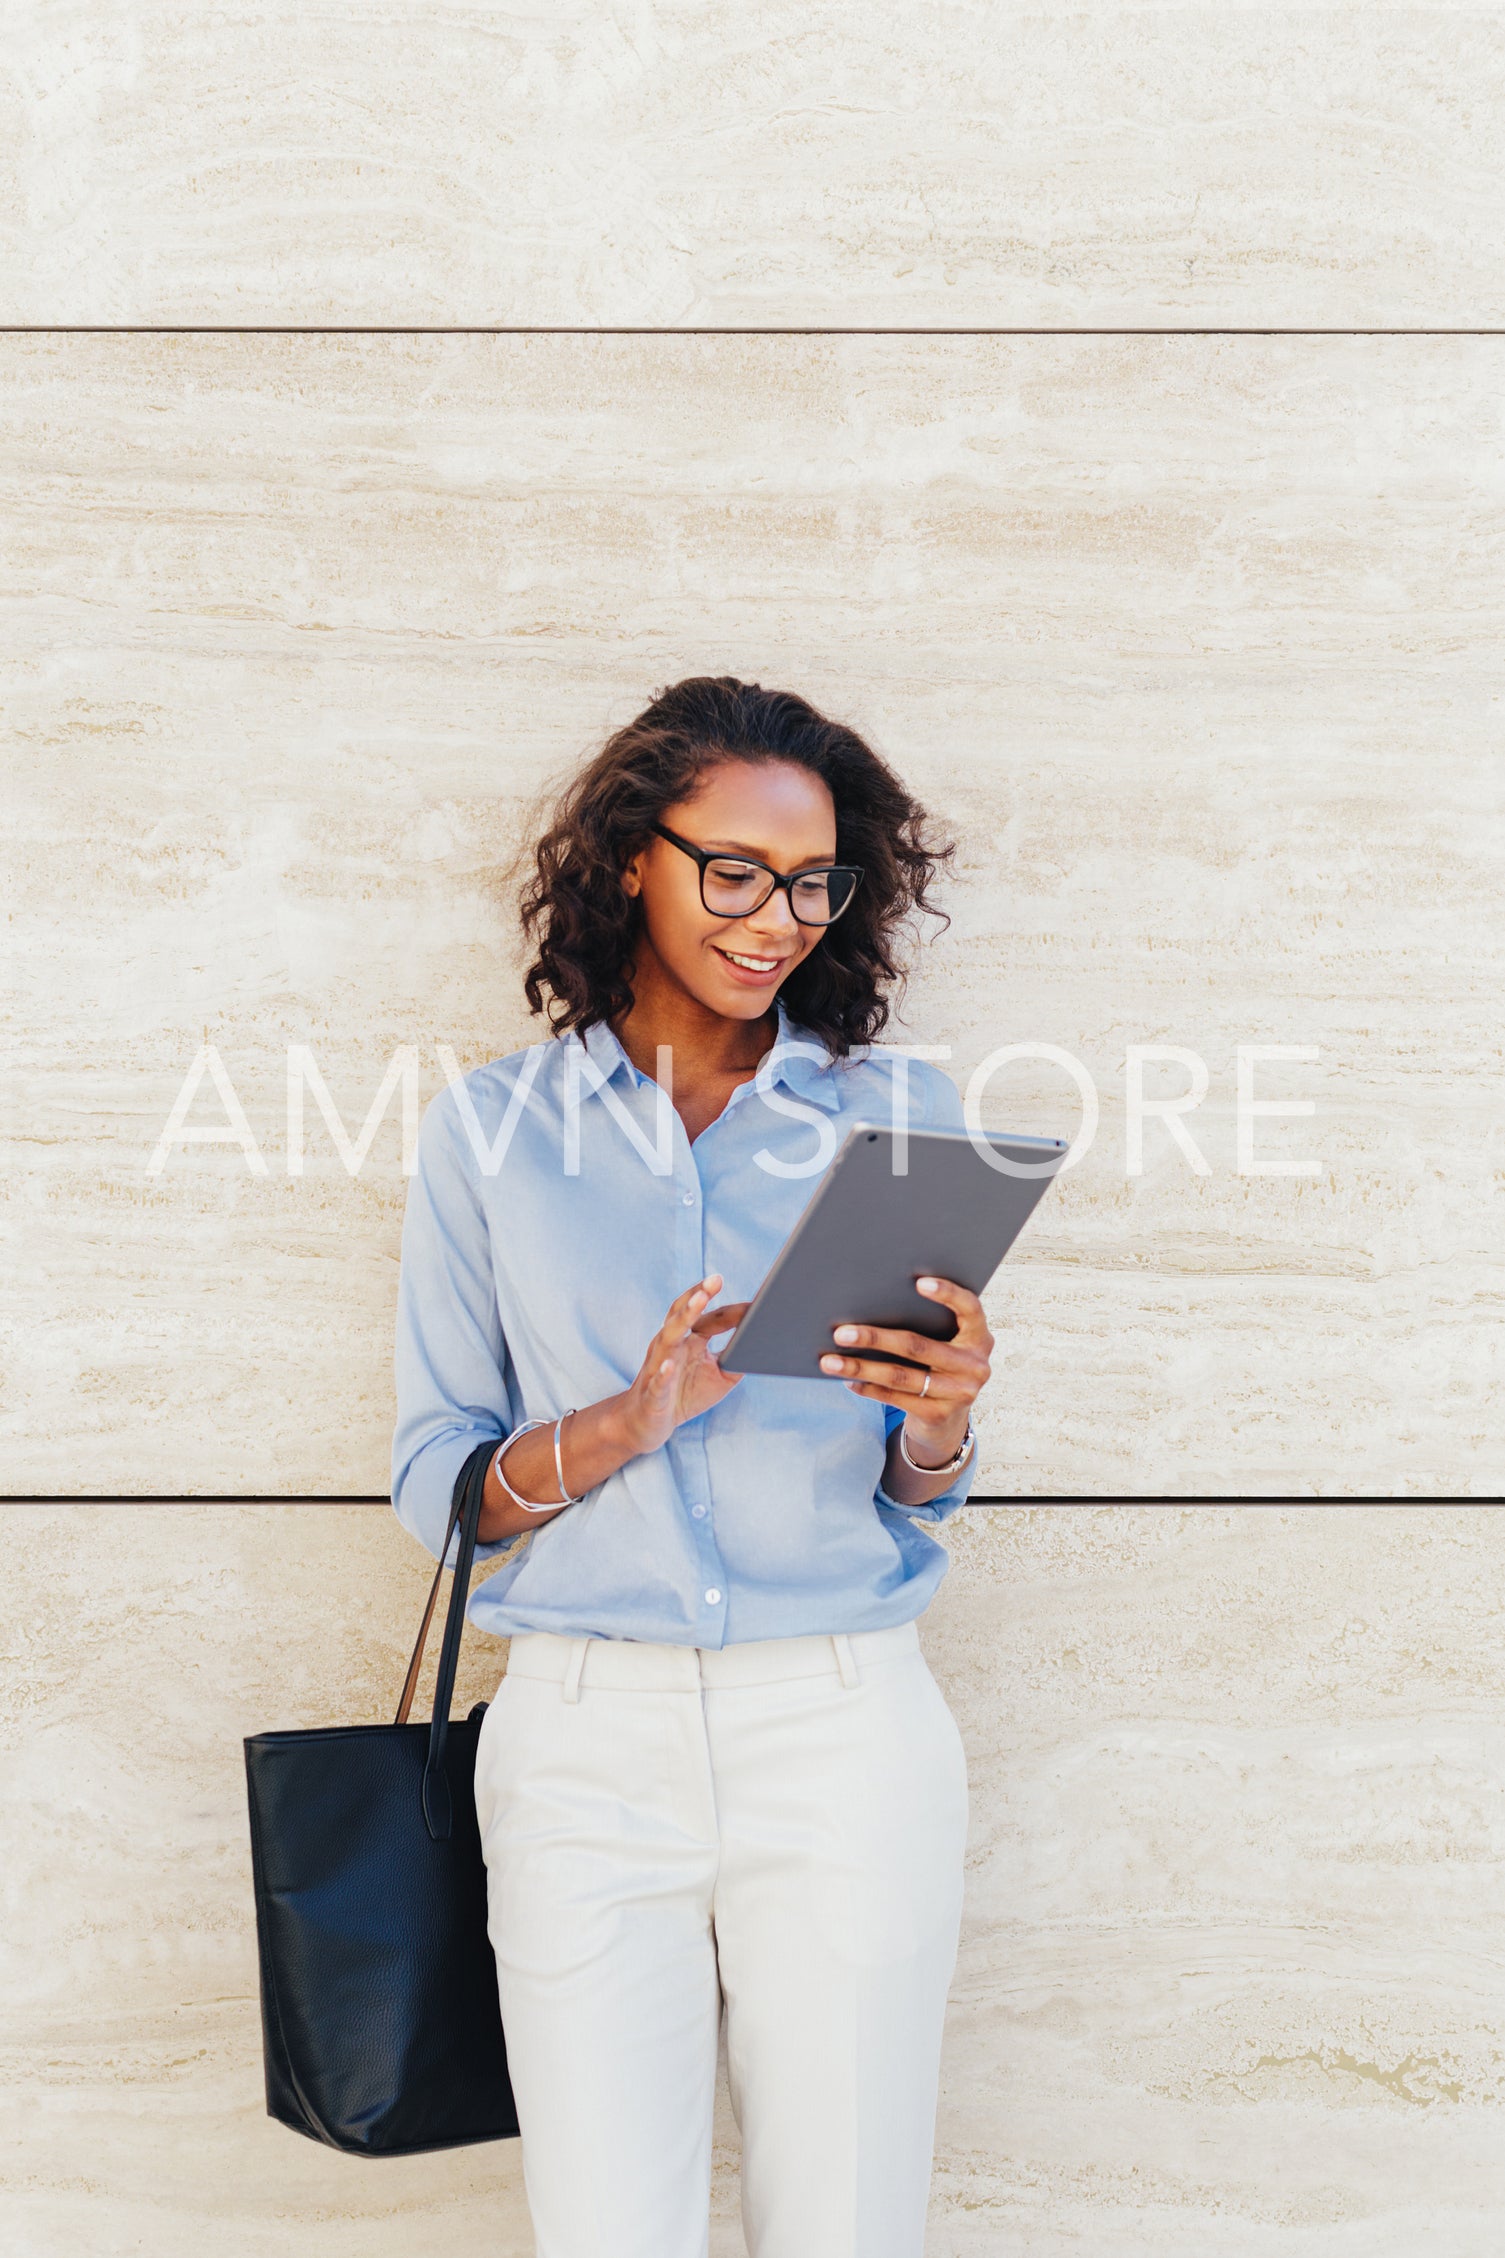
[{"x": 774, "y": 811}]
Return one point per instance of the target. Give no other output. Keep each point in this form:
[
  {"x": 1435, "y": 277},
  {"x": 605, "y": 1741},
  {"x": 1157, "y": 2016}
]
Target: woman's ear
[{"x": 631, "y": 877}]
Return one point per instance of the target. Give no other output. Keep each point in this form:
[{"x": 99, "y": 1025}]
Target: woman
[{"x": 718, "y": 1770}]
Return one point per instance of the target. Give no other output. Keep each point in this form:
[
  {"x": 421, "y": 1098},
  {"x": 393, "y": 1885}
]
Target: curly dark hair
[{"x": 583, "y": 925}]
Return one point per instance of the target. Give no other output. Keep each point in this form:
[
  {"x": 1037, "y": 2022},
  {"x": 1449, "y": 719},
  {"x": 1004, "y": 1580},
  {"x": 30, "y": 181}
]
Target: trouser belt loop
[
  {"x": 846, "y": 1661},
  {"x": 577, "y": 1664}
]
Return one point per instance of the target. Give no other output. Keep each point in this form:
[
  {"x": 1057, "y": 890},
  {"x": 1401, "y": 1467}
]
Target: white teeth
[{"x": 753, "y": 964}]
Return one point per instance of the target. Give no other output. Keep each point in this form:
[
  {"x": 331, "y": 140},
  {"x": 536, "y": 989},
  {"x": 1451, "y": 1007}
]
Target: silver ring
[{"x": 926, "y": 1389}]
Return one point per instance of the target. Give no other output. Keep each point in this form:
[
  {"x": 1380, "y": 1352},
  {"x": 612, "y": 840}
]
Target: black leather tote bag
[{"x": 381, "y": 2032}]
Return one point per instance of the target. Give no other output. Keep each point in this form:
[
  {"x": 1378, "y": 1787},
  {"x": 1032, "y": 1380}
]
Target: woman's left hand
[{"x": 959, "y": 1368}]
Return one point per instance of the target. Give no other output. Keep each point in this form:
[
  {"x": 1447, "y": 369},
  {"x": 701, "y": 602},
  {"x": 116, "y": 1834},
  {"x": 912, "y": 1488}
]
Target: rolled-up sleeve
[
  {"x": 942, "y": 1110},
  {"x": 450, "y": 1361},
  {"x": 946, "y": 1501}
]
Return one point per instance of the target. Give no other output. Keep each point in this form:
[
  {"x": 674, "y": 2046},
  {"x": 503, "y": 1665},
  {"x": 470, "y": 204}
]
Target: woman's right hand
[{"x": 679, "y": 1377}]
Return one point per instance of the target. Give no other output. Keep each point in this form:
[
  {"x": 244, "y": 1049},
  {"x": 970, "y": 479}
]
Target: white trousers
[{"x": 778, "y": 1825}]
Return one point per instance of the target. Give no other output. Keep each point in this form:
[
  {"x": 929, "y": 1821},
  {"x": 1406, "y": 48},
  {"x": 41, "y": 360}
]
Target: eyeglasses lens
[{"x": 733, "y": 889}]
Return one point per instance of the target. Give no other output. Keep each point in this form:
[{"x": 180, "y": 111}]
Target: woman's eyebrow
[{"x": 740, "y": 846}]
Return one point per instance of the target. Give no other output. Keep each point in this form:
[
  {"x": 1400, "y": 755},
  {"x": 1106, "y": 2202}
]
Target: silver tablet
[{"x": 868, "y": 1234}]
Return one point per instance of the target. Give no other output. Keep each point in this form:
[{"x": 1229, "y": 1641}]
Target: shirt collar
[{"x": 809, "y": 1070}]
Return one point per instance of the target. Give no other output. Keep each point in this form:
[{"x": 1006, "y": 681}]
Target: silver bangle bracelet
[
  {"x": 951, "y": 1465},
  {"x": 555, "y": 1505},
  {"x": 564, "y": 1494}
]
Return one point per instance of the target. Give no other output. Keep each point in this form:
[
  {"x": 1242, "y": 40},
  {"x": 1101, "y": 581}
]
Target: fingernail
[
  {"x": 846, "y": 1332},
  {"x": 927, "y": 1285},
  {"x": 830, "y": 1364}
]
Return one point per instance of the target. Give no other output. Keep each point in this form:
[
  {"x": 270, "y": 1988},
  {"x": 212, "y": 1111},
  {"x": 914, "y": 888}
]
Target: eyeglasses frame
[{"x": 781, "y": 879}]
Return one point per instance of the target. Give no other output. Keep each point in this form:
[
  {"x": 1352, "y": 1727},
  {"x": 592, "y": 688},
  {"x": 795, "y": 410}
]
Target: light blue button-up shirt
[{"x": 557, "y": 1208}]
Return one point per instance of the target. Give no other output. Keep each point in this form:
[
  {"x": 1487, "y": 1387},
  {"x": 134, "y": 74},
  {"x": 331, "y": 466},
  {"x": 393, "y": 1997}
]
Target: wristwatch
[{"x": 952, "y": 1465}]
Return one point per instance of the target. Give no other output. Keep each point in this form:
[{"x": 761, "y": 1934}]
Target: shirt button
[
  {"x": 697, "y": 1513},
  {"x": 713, "y": 1597},
  {"x": 689, "y": 1199}
]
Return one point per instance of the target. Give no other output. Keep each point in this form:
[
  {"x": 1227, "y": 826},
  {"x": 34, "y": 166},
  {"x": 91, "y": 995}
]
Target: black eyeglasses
[{"x": 734, "y": 885}]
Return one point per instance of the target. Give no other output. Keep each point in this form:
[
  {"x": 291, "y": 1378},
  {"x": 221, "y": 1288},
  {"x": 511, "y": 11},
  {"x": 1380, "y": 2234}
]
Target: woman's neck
[{"x": 706, "y": 1045}]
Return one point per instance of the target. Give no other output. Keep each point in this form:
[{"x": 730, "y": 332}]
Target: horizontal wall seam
[
  {"x": 371, "y": 329},
  {"x": 1375, "y": 1497},
  {"x": 305, "y": 1497}
]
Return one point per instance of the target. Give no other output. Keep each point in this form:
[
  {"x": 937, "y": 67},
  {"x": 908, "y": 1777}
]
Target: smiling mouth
[{"x": 748, "y": 963}]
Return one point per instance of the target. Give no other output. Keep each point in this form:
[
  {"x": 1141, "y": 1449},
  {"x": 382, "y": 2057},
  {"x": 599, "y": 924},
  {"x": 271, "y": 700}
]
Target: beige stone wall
[
  {"x": 1191, "y": 636},
  {"x": 805, "y": 162},
  {"x": 1192, "y": 643},
  {"x": 1230, "y": 1984}
]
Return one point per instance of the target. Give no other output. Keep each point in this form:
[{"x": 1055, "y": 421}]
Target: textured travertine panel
[
  {"x": 1193, "y": 644},
  {"x": 1230, "y": 1984},
  {"x": 806, "y": 161}
]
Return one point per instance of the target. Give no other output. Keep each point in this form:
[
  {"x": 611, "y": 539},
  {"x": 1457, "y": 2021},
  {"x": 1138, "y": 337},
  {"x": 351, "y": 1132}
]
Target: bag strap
[
  {"x": 469, "y": 1496},
  {"x": 410, "y": 1683},
  {"x": 437, "y": 1804}
]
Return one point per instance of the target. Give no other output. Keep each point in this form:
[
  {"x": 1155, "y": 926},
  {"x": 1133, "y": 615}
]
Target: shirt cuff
[
  {"x": 496, "y": 1548},
  {"x": 933, "y": 1509},
  {"x": 945, "y": 1501},
  {"x": 425, "y": 1498}
]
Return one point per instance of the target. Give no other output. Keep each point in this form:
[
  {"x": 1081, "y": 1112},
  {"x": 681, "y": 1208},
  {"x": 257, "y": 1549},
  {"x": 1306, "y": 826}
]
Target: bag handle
[
  {"x": 410, "y": 1683},
  {"x": 469, "y": 1496}
]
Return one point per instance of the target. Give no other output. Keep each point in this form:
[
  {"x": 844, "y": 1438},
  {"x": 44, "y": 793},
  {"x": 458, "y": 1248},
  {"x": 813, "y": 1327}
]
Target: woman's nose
[{"x": 775, "y": 920}]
